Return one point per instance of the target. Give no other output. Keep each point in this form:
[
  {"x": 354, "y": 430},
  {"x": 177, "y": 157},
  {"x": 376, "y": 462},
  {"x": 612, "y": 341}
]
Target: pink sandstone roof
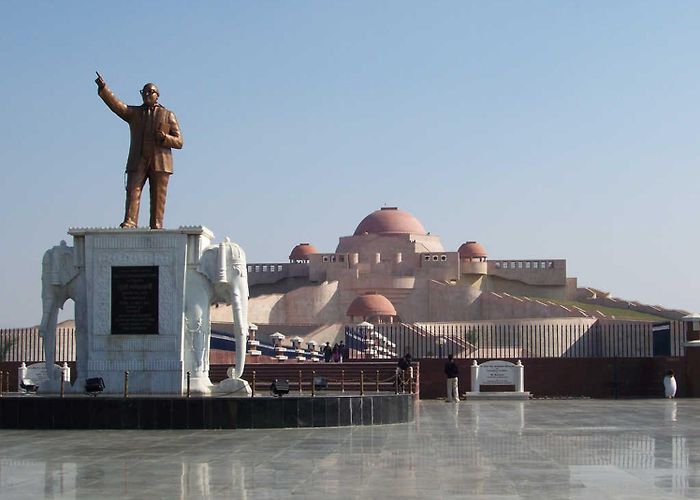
[
  {"x": 371, "y": 304},
  {"x": 471, "y": 249},
  {"x": 302, "y": 251},
  {"x": 389, "y": 220}
]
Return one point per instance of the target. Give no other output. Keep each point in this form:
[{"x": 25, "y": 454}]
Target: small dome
[
  {"x": 302, "y": 251},
  {"x": 389, "y": 220},
  {"x": 371, "y": 304},
  {"x": 472, "y": 250}
]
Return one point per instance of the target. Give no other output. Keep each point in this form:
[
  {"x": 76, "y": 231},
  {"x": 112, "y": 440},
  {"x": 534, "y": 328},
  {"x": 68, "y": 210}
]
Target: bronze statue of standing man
[{"x": 154, "y": 132}]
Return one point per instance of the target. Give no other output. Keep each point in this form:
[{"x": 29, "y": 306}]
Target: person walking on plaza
[
  {"x": 327, "y": 352},
  {"x": 452, "y": 373},
  {"x": 670, "y": 385}
]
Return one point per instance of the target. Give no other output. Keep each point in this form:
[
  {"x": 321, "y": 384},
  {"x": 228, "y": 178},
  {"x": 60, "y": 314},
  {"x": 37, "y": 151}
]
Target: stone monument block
[
  {"x": 142, "y": 301},
  {"x": 135, "y": 283}
]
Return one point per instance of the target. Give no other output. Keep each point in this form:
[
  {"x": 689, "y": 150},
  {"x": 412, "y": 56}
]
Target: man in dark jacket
[
  {"x": 327, "y": 352},
  {"x": 404, "y": 373},
  {"x": 452, "y": 373}
]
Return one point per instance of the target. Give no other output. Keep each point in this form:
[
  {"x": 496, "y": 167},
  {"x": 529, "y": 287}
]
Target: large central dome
[{"x": 389, "y": 220}]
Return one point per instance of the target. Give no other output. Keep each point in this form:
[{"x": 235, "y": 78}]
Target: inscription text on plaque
[{"x": 134, "y": 300}]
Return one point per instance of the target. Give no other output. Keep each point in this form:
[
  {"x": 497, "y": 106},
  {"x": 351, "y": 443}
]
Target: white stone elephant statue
[
  {"x": 61, "y": 280},
  {"x": 220, "y": 277}
]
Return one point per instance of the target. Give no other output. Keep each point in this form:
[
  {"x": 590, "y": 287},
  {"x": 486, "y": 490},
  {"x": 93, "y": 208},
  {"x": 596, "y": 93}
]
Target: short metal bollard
[
  {"x": 414, "y": 381},
  {"x": 252, "y": 389},
  {"x": 189, "y": 376},
  {"x": 62, "y": 389},
  {"x": 377, "y": 381},
  {"x": 313, "y": 385},
  {"x": 126, "y": 384},
  {"x": 300, "y": 382},
  {"x": 362, "y": 382},
  {"x": 342, "y": 380}
]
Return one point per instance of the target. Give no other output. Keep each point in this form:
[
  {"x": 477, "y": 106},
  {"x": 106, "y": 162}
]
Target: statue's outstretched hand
[{"x": 99, "y": 81}]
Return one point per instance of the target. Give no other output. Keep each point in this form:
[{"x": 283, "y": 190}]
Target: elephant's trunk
[
  {"x": 239, "y": 308},
  {"x": 240, "y": 354},
  {"x": 47, "y": 331}
]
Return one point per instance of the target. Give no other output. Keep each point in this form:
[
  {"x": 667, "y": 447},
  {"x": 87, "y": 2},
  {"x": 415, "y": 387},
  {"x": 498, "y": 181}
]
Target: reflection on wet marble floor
[{"x": 496, "y": 450}]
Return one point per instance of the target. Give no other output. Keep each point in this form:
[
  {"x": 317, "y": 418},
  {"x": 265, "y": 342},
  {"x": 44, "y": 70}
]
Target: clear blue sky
[{"x": 542, "y": 129}]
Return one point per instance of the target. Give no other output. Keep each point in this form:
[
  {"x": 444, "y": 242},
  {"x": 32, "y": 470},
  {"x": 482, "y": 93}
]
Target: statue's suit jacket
[{"x": 135, "y": 116}]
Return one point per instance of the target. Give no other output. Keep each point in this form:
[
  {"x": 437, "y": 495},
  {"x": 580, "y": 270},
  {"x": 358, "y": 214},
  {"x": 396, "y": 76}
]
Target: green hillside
[{"x": 619, "y": 313}]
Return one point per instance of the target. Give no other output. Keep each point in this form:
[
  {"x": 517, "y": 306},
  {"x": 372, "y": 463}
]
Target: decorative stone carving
[
  {"x": 220, "y": 277},
  {"x": 190, "y": 276},
  {"x": 196, "y": 338},
  {"x": 60, "y": 280}
]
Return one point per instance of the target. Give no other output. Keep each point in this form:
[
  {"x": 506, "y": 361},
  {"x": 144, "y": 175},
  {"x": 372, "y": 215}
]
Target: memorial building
[{"x": 391, "y": 269}]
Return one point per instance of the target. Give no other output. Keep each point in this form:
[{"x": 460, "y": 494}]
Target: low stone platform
[
  {"x": 497, "y": 396},
  {"x": 164, "y": 412}
]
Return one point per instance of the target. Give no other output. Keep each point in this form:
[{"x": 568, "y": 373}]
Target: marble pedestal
[{"x": 133, "y": 308}]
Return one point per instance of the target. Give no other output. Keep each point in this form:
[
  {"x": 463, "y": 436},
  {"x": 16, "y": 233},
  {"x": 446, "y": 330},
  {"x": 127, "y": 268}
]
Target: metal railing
[
  {"x": 512, "y": 339},
  {"x": 25, "y": 344},
  {"x": 310, "y": 383}
]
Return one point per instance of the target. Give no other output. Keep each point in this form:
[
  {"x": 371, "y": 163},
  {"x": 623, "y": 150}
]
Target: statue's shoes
[{"x": 126, "y": 225}]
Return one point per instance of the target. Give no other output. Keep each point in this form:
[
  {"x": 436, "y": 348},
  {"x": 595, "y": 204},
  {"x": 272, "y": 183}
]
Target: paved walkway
[{"x": 497, "y": 450}]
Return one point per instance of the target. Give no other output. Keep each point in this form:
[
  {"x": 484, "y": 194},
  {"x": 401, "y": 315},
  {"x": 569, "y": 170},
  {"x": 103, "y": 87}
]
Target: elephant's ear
[
  {"x": 67, "y": 269},
  {"x": 58, "y": 265},
  {"x": 207, "y": 263}
]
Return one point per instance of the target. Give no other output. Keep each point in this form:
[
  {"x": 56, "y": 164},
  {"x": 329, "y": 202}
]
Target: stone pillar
[
  {"x": 519, "y": 372},
  {"x": 253, "y": 343},
  {"x": 312, "y": 346},
  {"x": 475, "y": 376},
  {"x": 21, "y": 374},
  {"x": 296, "y": 345},
  {"x": 277, "y": 339}
]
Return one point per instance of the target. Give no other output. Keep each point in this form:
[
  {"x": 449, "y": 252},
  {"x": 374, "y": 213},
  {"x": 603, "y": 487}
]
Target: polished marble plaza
[{"x": 491, "y": 449}]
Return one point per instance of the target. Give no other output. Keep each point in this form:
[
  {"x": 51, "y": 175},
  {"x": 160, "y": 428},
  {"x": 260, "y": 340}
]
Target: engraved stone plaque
[
  {"x": 134, "y": 300},
  {"x": 497, "y": 373}
]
